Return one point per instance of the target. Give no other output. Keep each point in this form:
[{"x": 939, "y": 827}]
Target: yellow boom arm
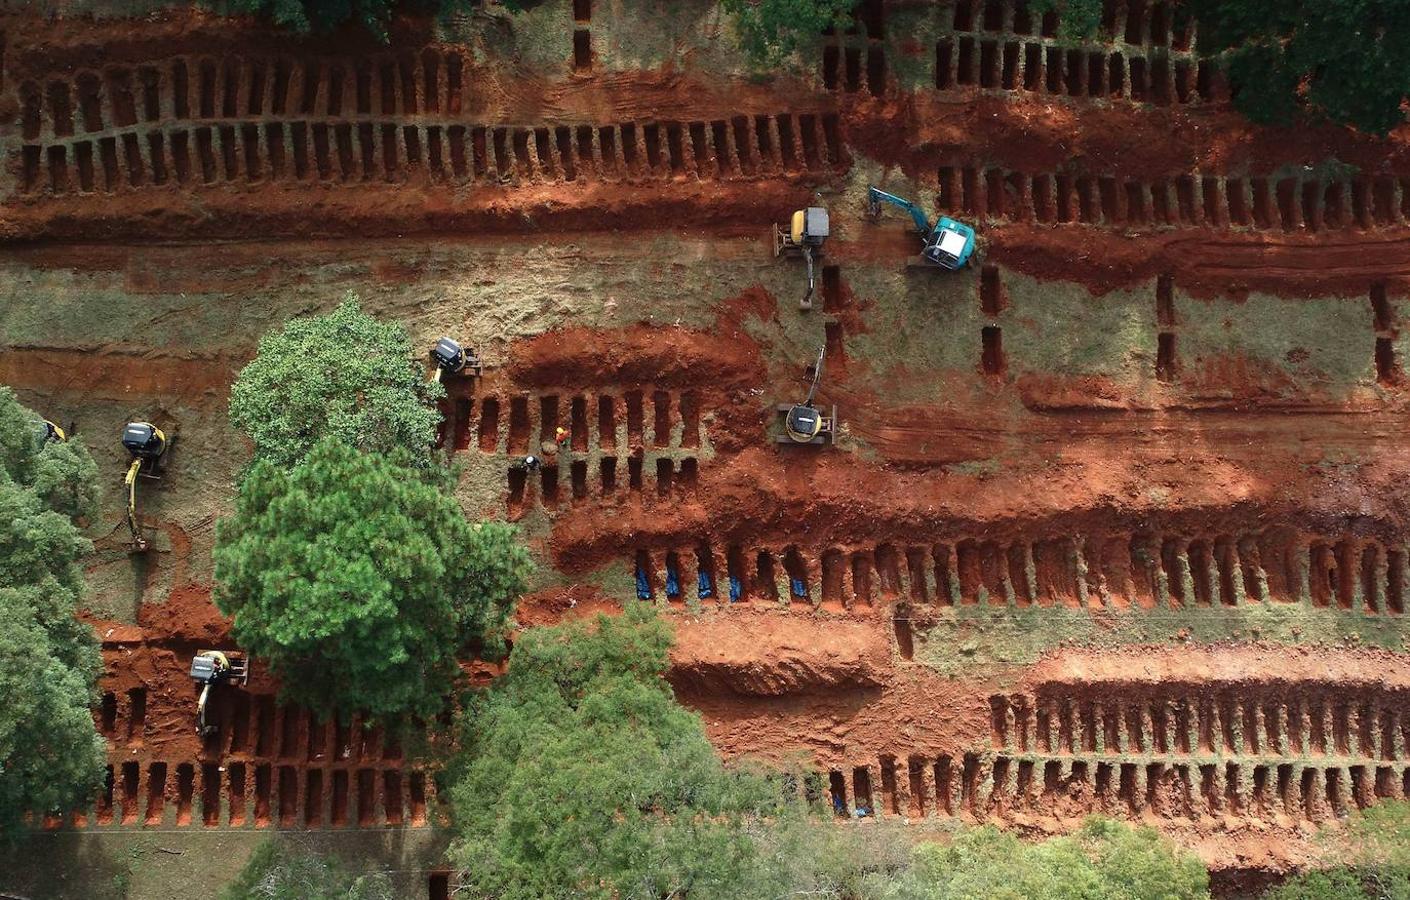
[{"x": 131, "y": 482}]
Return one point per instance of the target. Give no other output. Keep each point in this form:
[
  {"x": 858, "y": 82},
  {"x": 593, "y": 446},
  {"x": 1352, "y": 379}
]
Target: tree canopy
[
  {"x": 344, "y": 375},
  {"x": 359, "y": 578},
  {"x": 1345, "y": 60},
  {"x": 51, "y": 756},
  {"x": 582, "y": 777}
]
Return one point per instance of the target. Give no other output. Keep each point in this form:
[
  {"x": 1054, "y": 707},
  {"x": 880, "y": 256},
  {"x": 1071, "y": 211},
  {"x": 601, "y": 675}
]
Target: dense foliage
[
  {"x": 1105, "y": 859},
  {"x": 772, "y": 30},
  {"x": 582, "y": 777},
  {"x": 1371, "y": 859},
  {"x": 1345, "y": 60},
  {"x": 343, "y": 375},
  {"x": 321, "y": 15},
  {"x": 279, "y": 872},
  {"x": 359, "y": 578},
  {"x": 1078, "y": 20},
  {"x": 51, "y": 757}
]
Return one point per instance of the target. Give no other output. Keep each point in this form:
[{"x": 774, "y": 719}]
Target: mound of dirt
[{"x": 769, "y": 656}]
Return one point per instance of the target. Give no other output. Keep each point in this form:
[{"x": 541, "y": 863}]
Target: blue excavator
[{"x": 946, "y": 244}]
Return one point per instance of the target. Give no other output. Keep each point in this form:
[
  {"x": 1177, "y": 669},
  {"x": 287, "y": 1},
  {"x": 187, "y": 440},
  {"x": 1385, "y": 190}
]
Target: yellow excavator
[
  {"x": 47, "y": 432},
  {"x": 807, "y": 231},
  {"x": 803, "y": 423},
  {"x": 450, "y": 358},
  {"x": 212, "y": 667},
  {"x": 146, "y": 443}
]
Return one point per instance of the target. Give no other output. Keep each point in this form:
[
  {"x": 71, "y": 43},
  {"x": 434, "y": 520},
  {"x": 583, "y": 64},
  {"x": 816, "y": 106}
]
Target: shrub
[{"x": 772, "y": 30}]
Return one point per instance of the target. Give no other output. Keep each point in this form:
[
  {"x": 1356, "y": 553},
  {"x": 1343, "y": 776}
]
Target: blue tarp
[
  {"x": 643, "y": 585},
  {"x": 735, "y": 589},
  {"x": 705, "y": 585},
  {"x": 799, "y": 589},
  {"x": 673, "y": 583}
]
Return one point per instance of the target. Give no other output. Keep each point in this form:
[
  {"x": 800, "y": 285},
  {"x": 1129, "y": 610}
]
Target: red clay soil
[
  {"x": 1218, "y": 666},
  {"x": 1031, "y": 133},
  {"x": 383, "y": 210},
  {"x": 1209, "y": 263},
  {"x": 114, "y": 374},
  {"x": 669, "y": 357}
]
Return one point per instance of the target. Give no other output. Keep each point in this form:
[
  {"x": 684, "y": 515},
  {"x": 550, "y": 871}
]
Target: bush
[
  {"x": 772, "y": 30},
  {"x": 279, "y": 872},
  {"x": 1371, "y": 859},
  {"x": 51, "y": 757},
  {"x": 321, "y": 15},
  {"x": 358, "y": 578},
  {"x": 1105, "y": 859},
  {"x": 343, "y": 375},
  {"x": 1078, "y": 20}
]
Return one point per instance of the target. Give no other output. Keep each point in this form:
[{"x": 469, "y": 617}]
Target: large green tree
[
  {"x": 582, "y": 777},
  {"x": 1347, "y": 61},
  {"x": 359, "y": 579},
  {"x": 343, "y": 375},
  {"x": 51, "y": 756}
]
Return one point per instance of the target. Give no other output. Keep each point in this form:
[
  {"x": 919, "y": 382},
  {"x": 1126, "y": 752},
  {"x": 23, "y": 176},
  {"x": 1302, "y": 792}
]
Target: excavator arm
[
  {"x": 138, "y": 542},
  {"x": 876, "y": 196}
]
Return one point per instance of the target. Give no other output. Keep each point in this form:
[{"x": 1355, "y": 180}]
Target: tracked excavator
[
  {"x": 806, "y": 232},
  {"x": 803, "y": 423},
  {"x": 146, "y": 443},
  {"x": 450, "y": 358},
  {"x": 947, "y": 244},
  {"x": 210, "y": 668}
]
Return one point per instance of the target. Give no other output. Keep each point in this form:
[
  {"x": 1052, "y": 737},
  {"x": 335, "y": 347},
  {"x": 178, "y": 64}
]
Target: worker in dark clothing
[{"x": 532, "y": 463}]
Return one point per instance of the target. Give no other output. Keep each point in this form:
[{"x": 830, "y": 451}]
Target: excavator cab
[
  {"x": 807, "y": 231},
  {"x": 146, "y": 443},
  {"x": 452, "y": 359},
  {"x": 804, "y": 423},
  {"x": 949, "y": 245},
  {"x": 212, "y": 667}
]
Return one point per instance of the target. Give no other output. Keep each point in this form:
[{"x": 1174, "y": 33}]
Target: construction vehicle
[
  {"x": 947, "y": 244},
  {"x": 212, "y": 667},
  {"x": 452, "y": 359},
  {"x": 804, "y": 237},
  {"x": 47, "y": 432},
  {"x": 803, "y": 423},
  {"x": 147, "y": 443}
]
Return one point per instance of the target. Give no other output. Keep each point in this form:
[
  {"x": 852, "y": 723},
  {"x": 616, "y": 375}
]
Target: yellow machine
[
  {"x": 49, "y": 432},
  {"x": 209, "y": 668},
  {"x": 452, "y": 359},
  {"x": 803, "y": 423},
  {"x": 146, "y": 442},
  {"x": 806, "y": 232}
]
